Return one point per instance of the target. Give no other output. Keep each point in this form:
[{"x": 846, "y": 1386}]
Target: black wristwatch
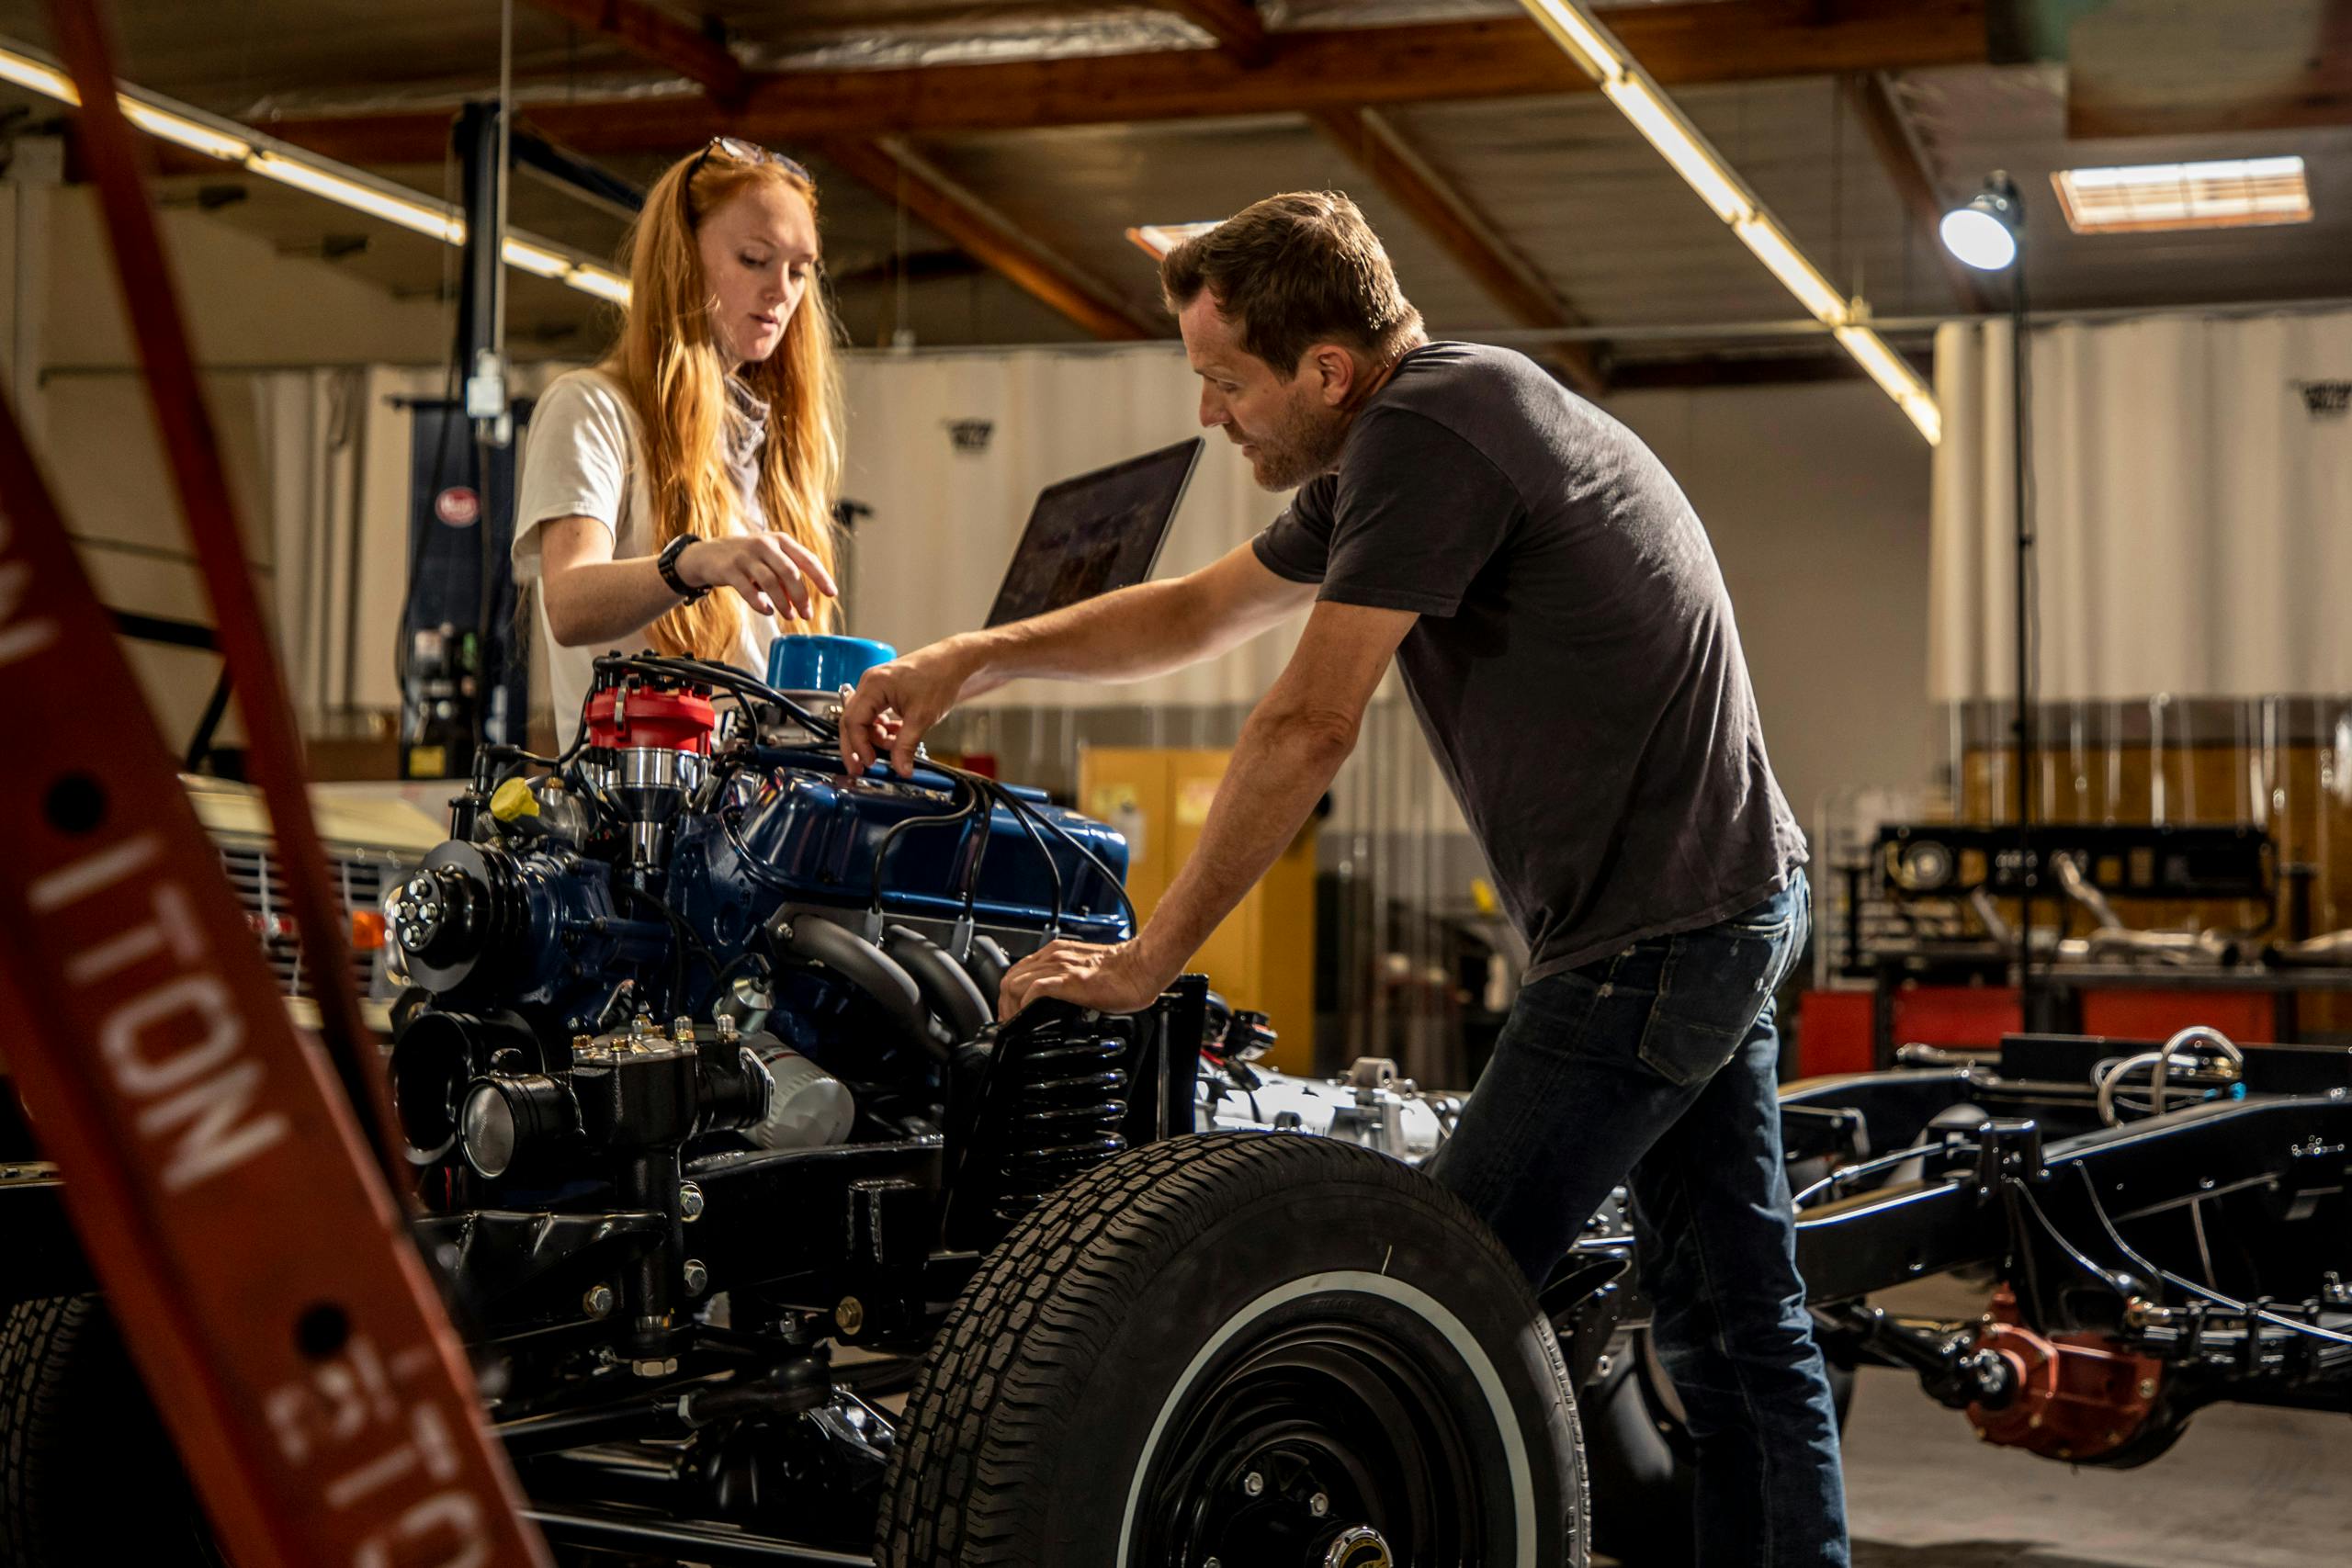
[{"x": 666, "y": 563}]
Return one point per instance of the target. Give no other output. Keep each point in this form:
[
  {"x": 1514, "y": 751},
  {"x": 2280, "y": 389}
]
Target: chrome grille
[{"x": 360, "y": 883}]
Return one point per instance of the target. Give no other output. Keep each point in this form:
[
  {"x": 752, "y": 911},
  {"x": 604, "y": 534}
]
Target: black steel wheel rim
[{"x": 1348, "y": 1413}]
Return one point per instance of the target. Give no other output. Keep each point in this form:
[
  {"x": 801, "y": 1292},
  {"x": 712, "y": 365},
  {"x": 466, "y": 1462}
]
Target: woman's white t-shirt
[{"x": 582, "y": 458}]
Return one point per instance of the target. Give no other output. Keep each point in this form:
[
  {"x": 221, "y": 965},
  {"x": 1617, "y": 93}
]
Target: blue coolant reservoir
[{"x": 806, "y": 664}]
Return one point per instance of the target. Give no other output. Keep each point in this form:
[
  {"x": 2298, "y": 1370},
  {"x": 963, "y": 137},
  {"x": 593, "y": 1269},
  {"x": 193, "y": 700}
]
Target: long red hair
[{"x": 669, "y": 361}]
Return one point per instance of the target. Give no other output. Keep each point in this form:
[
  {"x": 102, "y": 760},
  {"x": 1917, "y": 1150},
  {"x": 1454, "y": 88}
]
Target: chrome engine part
[{"x": 1371, "y": 1106}]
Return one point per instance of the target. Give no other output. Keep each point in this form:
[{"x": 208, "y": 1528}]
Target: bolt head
[
  {"x": 598, "y": 1302},
  {"x": 1318, "y": 1505},
  {"x": 698, "y": 1278},
  {"x": 690, "y": 1202},
  {"x": 1253, "y": 1483},
  {"x": 652, "y": 1368},
  {"x": 850, "y": 1315}
]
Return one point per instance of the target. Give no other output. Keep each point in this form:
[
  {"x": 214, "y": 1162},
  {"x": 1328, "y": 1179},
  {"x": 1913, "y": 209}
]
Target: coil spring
[{"x": 1067, "y": 1114}]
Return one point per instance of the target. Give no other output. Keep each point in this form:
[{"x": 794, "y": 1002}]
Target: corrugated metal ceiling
[
  {"x": 1076, "y": 190},
  {"x": 1564, "y": 181}
]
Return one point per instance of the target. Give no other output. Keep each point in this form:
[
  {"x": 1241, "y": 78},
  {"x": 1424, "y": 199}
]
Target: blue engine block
[
  {"x": 553, "y": 929},
  {"x": 811, "y": 835}
]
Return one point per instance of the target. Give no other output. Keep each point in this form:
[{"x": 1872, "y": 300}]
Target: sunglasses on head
[{"x": 744, "y": 152}]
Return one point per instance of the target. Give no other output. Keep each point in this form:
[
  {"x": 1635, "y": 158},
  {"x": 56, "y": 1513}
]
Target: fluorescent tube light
[
  {"x": 439, "y": 222},
  {"x": 537, "y": 260},
  {"x": 1692, "y": 158},
  {"x": 47, "y": 79},
  {"x": 233, "y": 143},
  {"x": 595, "y": 280},
  {"x": 185, "y": 132},
  {"x": 1586, "y": 42},
  {"x": 2223, "y": 193},
  {"x": 1763, "y": 236},
  {"x": 1666, "y": 128},
  {"x": 1896, "y": 378}
]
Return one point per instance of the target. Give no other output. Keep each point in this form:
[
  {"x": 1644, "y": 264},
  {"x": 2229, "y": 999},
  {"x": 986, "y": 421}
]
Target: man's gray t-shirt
[{"x": 1575, "y": 667}]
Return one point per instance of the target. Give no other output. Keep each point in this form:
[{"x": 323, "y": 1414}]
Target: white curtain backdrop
[
  {"x": 313, "y": 427},
  {"x": 947, "y": 513},
  {"x": 2193, "y": 509}
]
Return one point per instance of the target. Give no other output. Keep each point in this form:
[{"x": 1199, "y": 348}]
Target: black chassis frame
[
  {"x": 2064, "y": 1210},
  {"x": 2077, "y": 1218},
  {"x": 865, "y": 1244},
  {"x": 807, "y": 1227}
]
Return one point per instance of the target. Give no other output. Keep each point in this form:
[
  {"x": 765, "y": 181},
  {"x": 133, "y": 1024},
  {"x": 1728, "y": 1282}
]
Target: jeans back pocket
[{"x": 1712, "y": 986}]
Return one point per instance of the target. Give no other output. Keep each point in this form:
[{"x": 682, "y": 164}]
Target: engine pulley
[{"x": 463, "y": 902}]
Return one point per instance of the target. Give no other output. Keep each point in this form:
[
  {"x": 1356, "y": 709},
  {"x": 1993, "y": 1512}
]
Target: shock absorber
[
  {"x": 1047, "y": 1101},
  {"x": 1069, "y": 1090}
]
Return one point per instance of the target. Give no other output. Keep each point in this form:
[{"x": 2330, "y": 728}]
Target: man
[{"x": 1563, "y": 631}]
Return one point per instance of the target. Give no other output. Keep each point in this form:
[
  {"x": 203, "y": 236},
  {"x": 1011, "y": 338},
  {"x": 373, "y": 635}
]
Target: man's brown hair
[{"x": 1293, "y": 271}]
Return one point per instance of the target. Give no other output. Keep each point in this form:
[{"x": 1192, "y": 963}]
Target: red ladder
[{"x": 222, "y": 1186}]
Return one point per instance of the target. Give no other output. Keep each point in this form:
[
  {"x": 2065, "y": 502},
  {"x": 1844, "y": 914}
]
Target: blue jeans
[{"x": 1656, "y": 1067}]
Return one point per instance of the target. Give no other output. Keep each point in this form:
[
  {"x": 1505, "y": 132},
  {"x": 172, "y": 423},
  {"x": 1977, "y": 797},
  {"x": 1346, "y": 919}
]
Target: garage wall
[
  {"x": 1818, "y": 500},
  {"x": 247, "y": 305},
  {"x": 247, "y": 302},
  {"x": 949, "y": 450},
  {"x": 1816, "y": 496}
]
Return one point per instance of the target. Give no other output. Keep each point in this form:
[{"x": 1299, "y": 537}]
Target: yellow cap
[{"x": 513, "y": 799}]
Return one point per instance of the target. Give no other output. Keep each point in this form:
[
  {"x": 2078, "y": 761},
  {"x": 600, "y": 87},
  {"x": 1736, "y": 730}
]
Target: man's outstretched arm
[
  {"x": 1292, "y": 747},
  {"x": 1131, "y": 634}
]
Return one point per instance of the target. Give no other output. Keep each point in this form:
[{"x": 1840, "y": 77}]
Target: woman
[{"x": 679, "y": 494}]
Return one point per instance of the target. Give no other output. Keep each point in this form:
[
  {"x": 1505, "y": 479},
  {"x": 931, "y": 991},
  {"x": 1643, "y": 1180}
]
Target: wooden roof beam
[
  {"x": 2192, "y": 68},
  {"x": 1458, "y": 228},
  {"x": 898, "y": 176},
  {"x": 1239, "y": 31},
  {"x": 660, "y": 37},
  {"x": 1899, "y": 152},
  {"x": 1682, "y": 44}
]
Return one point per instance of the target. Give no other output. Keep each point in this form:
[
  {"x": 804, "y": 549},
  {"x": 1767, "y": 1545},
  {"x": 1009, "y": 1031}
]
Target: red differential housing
[
  {"x": 2078, "y": 1397},
  {"x": 634, "y": 716}
]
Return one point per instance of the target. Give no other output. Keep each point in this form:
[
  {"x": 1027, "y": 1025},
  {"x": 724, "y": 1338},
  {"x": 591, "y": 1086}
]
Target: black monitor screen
[{"x": 1097, "y": 532}]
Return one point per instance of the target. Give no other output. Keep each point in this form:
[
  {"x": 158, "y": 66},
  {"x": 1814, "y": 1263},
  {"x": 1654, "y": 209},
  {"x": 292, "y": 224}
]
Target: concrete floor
[{"x": 2245, "y": 1487}]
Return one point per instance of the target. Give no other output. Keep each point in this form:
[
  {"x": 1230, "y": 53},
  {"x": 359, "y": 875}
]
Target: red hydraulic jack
[{"x": 250, "y": 1240}]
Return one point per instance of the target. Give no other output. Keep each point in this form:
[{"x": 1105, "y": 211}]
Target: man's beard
[{"x": 1304, "y": 443}]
